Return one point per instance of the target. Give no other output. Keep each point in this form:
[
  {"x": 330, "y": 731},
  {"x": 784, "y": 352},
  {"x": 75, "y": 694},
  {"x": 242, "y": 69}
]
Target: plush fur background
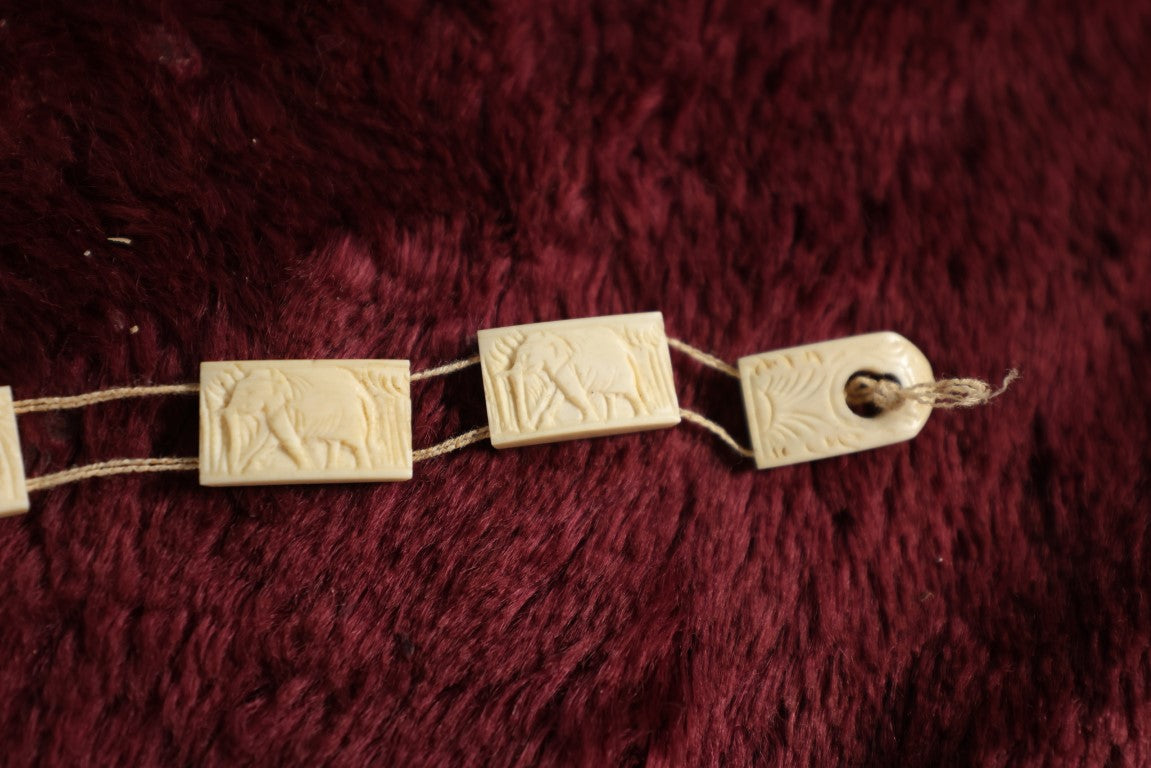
[{"x": 333, "y": 180}]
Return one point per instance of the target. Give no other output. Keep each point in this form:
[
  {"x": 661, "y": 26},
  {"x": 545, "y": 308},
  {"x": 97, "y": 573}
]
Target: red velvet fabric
[{"x": 335, "y": 180}]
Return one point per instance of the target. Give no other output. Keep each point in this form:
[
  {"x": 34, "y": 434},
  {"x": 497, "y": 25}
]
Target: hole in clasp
[{"x": 859, "y": 391}]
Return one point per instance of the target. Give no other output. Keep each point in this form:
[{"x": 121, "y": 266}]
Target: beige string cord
[
  {"x": 887, "y": 395},
  {"x": 113, "y": 467},
  {"x": 177, "y": 464},
  {"x": 711, "y": 361},
  {"x": 447, "y": 368},
  {"x": 452, "y": 444},
  {"x": 43, "y": 404},
  {"x": 703, "y": 358},
  {"x": 702, "y": 421}
]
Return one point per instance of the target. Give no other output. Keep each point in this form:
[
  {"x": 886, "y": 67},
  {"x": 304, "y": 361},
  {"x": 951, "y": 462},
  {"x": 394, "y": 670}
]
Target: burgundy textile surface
[{"x": 328, "y": 180}]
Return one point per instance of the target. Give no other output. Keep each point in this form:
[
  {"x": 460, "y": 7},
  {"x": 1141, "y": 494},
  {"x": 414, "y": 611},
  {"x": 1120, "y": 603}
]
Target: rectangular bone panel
[
  {"x": 276, "y": 422},
  {"x": 13, "y": 491},
  {"x": 562, "y": 380}
]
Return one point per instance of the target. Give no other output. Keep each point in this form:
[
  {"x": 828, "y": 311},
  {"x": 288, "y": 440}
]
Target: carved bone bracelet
[{"x": 268, "y": 422}]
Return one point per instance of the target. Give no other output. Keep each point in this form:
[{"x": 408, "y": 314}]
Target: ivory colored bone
[
  {"x": 797, "y": 409},
  {"x": 275, "y": 422},
  {"x": 563, "y": 380},
  {"x": 13, "y": 489}
]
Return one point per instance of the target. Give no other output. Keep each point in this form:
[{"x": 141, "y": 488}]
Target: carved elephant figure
[
  {"x": 585, "y": 365},
  {"x": 299, "y": 407}
]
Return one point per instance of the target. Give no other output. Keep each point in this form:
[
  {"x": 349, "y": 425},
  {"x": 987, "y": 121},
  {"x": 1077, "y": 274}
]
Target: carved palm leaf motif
[
  {"x": 391, "y": 397},
  {"x": 792, "y": 413},
  {"x": 497, "y": 365},
  {"x": 646, "y": 343}
]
